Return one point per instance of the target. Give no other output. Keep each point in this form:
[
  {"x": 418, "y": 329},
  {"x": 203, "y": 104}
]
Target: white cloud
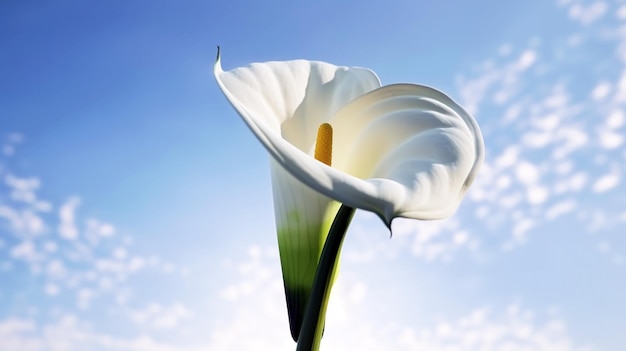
[
  {"x": 516, "y": 330},
  {"x": 573, "y": 139},
  {"x": 548, "y": 122},
  {"x": 136, "y": 263},
  {"x": 601, "y": 90},
  {"x": 518, "y": 168},
  {"x": 511, "y": 200},
  {"x": 526, "y": 60},
  {"x": 547, "y": 128},
  {"x": 563, "y": 168},
  {"x": 120, "y": 253},
  {"x": 261, "y": 316},
  {"x": 26, "y": 251},
  {"x": 109, "y": 265},
  {"x": 537, "y": 140},
  {"x": 23, "y": 190},
  {"x": 16, "y": 138},
  {"x": 69, "y": 333},
  {"x": 526, "y": 172},
  {"x": 50, "y": 246},
  {"x": 95, "y": 227},
  {"x": 536, "y": 194},
  {"x": 23, "y": 222},
  {"x": 502, "y": 82},
  {"x": 67, "y": 227},
  {"x": 432, "y": 240},
  {"x": 610, "y": 139},
  {"x": 257, "y": 310},
  {"x": 560, "y": 209},
  {"x": 621, "y": 12},
  {"x": 508, "y": 157},
  {"x": 14, "y": 334},
  {"x": 51, "y": 289},
  {"x": 578, "y": 181},
  {"x": 512, "y": 112},
  {"x": 615, "y": 119},
  {"x": 503, "y": 182},
  {"x": 521, "y": 227},
  {"x": 482, "y": 329},
  {"x": 550, "y": 139},
  {"x": 84, "y": 296},
  {"x": 88, "y": 266},
  {"x": 85, "y": 268},
  {"x": 56, "y": 269},
  {"x": 606, "y": 182},
  {"x": 161, "y": 317},
  {"x": 588, "y": 14},
  {"x": 22, "y": 184},
  {"x": 563, "y": 2}
]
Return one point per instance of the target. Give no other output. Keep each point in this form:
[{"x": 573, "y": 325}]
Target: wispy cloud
[
  {"x": 161, "y": 317},
  {"x": 556, "y": 155},
  {"x": 258, "y": 311},
  {"x": 516, "y": 329},
  {"x": 555, "y": 149},
  {"x": 67, "y": 227},
  {"x": 77, "y": 262}
]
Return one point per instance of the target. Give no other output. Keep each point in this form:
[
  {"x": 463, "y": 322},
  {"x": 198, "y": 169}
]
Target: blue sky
[{"x": 135, "y": 206}]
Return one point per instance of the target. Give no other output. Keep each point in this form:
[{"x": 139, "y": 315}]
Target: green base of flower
[
  {"x": 296, "y": 307},
  {"x": 314, "y": 317},
  {"x": 301, "y": 239}
]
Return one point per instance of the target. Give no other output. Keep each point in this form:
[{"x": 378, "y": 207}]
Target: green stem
[{"x": 313, "y": 324}]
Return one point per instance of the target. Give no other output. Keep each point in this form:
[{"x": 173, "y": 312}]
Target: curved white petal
[
  {"x": 415, "y": 145},
  {"x": 402, "y": 150},
  {"x": 287, "y": 100},
  {"x": 292, "y": 98}
]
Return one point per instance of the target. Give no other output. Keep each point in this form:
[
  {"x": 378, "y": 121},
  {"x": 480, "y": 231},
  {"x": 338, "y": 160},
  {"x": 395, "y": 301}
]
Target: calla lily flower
[{"x": 402, "y": 150}]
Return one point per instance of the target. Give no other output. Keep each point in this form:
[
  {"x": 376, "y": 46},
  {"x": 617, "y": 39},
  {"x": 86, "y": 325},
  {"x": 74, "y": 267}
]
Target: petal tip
[
  {"x": 387, "y": 218},
  {"x": 217, "y": 66}
]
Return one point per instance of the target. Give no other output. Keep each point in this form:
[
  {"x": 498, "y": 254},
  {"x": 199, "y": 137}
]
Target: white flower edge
[{"x": 388, "y": 198}]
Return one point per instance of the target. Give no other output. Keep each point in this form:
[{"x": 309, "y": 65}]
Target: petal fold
[
  {"x": 403, "y": 150},
  {"x": 416, "y": 146},
  {"x": 291, "y": 98}
]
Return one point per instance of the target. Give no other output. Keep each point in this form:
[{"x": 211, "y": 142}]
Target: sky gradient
[{"x": 135, "y": 206}]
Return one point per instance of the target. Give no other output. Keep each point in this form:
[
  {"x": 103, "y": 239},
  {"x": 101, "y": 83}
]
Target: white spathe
[{"x": 402, "y": 150}]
